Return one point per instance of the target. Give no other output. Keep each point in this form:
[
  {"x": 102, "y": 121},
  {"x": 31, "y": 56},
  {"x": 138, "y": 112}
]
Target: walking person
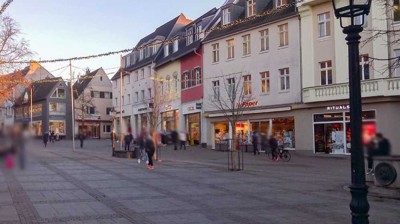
[
  {"x": 174, "y": 136},
  {"x": 264, "y": 142},
  {"x": 113, "y": 142},
  {"x": 81, "y": 137},
  {"x": 150, "y": 149},
  {"x": 254, "y": 140},
  {"x": 383, "y": 149},
  {"x": 52, "y": 136},
  {"x": 183, "y": 139},
  {"x": 128, "y": 140},
  {"x": 273, "y": 143},
  {"x": 45, "y": 138}
]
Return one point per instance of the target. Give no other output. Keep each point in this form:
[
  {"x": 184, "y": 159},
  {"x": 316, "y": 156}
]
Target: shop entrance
[
  {"x": 193, "y": 128},
  {"x": 329, "y": 138}
]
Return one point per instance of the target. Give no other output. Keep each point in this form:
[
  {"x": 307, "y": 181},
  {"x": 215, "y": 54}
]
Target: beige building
[
  {"x": 93, "y": 104},
  {"x": 325, "y": 112}
]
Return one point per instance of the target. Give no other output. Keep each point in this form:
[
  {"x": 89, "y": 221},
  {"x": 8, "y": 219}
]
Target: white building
[{"x": 263, "y": 53}]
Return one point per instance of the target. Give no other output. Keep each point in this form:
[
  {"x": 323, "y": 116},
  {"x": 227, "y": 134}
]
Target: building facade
[
  {"x": 259, "y": 56},
  {"x": 325, "y": 112},
  {"x": 93, "y": 104}
]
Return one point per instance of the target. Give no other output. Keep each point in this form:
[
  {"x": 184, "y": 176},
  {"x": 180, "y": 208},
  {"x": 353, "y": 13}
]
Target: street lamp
[{"x": 350, "y": 9}]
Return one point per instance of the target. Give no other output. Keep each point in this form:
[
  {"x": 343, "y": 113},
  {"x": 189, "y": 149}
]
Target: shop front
[
  {"x": 332, "y": 131},
  {"x": 192, "y": 114},
  {"x": 58, "y": 126},
  {"x": 169, "y": 120}
]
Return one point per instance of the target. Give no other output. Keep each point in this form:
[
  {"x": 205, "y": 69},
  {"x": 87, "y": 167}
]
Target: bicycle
[
  {"x": 143, "y": 156},
  {"x": 282, "y": 154}
]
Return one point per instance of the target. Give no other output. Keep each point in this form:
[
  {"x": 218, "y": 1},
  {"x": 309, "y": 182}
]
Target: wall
[{"x": 188, "y": 63}]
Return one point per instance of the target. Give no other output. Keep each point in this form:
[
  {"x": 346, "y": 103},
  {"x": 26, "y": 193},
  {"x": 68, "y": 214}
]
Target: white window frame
[
  {"x": 216, "y": 89},
  {"x": 176, "y": 45},
  {"x": 264, "y": 39},
  {"x": 137, "y": 96},
  {"x": 215, "y": 52},
  {"x": 324, "y": 24},
  {"x": 166, "y": 50},
  {"x": 189, "y": 36},
  {"x": 283, "y": 33},
  {"x": 247, "y": 89},
  {"x": 143, "y": 95},
  {"x": 56, "y": 92},
  {"x": 364, "y": 66},
  {"x": 396, "y": 63},
  {"x": 231, "y": 48},
  {"x": 199, "y": 32},
  {"x": 246, "y": 45},
  {"x": 265, "y": 82},
  {"x": 142, "y": 73},
  {"x": 251, "y": 8},
  {"x": 136, "y": 75},
  {"x": 326, "y": 70},
  {"x": 231, "y": 86},
  {"x": 129, "y": 99},
  {"x": 226, "y": 16},
  {"x": 149, "y": 93},
  {"x": 280, "y": 3},
  {"x": 141, "y": 53},
  {"x": 284, "y": 79}
]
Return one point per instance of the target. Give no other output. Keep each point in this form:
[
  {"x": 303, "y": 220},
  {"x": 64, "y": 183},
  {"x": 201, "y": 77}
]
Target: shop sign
[
  {"x": 168, "y": 107},
  {"x": 142, "y": 109},
  {"x": 247, "y": 104},
  {"x": 338, "y": 107},
  {"x": 191, "y": 108}
]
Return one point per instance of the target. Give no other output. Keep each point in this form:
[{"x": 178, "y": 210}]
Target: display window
[
  {"x": 170, "y": 120},
  {"x": 221, "y": 131},
  {"x": 193, "y": 125},
  {"x": 57, "y": 126}
]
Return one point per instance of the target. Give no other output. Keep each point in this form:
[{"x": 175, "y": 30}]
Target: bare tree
[
  {"x": 83, "y": 103},
  {"x": 12, "y": 49},
  {"x": 232, "y": 102}
]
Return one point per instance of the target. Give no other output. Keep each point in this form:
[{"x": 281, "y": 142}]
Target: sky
[{"x": 68, "y": 28}]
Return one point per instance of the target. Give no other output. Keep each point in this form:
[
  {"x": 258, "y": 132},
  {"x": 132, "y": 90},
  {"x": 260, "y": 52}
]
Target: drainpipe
[{"x": 301, "y": 60}]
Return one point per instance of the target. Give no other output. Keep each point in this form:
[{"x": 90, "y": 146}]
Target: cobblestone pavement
[{"x": 188, "y": 186}]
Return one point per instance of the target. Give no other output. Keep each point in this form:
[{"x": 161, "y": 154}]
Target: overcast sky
[{"x": 66, "y": 28}]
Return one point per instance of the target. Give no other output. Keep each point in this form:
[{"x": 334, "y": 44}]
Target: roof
[
  {"x": 184, "y": 49},
  {"x": 161, "y": 33},
  {"x": 284, "y": 12},
  {"x": 83, "y": 82},
  {"x": 41, "y": 90}
]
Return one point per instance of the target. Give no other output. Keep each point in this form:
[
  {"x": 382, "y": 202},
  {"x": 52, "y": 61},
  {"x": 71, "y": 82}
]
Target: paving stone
[{"x": 8, "y": 213}]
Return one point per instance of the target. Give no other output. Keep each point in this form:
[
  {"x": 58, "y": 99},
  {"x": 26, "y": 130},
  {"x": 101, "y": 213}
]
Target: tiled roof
[
  {"x": 282, "y": 13},
  {"x": 80, "y": 85},
  {"x": 41, "y": 90}
]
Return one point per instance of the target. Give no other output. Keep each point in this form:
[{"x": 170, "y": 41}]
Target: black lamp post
[{"x": 347, "y": 11}]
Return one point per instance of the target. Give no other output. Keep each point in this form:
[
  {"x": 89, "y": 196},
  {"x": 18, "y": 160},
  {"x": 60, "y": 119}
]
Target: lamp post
[{"x": 347, "y": 11}]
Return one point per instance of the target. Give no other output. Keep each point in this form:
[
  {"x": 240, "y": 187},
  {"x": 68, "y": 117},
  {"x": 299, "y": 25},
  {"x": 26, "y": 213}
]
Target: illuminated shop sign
[
  {"x": 247, "y": 104},
  {"x": 338, "y": 107},
  {"x": 168, "y": 107}
]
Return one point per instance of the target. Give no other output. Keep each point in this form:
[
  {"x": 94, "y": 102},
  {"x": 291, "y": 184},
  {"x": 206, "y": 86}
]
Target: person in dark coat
[
  {"x": 128, "y": 140},
  {"x": 254, "y": 140},
  {"x": 273, "y": 143},
  {"x": 81, "y": 137},
  {"x": 383, "y": 148},
  {"x": 45, "y": 138},
  {"x": 52, "y": 136},
  {"x": 264, "y": 142},
  {"x": 175, "y": 139},
  {"x": 150, "y": 149}
]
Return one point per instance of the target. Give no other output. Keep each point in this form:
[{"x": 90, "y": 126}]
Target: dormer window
[
  {"x": 166, "y": 50},
  {"x": 189, "y": 36},
  {"x": 251, "y": 8},
  {"x": 133, "y": 58},
  {"x": 176, "y": 45},
  {"x": 280, "y": 3},
  {"x": 156, "y": 46},
  {"x": 226, "y": 16},
  {"x": 58, "y": 93},
  {"x": 141, "y": 54},
  {"x": 199, "y": 31}
]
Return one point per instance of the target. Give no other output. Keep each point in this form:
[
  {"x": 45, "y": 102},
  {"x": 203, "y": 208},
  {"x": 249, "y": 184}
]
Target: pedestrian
[
  {"x": 273, "y": 144},
  {"x": 113, "y": 142},
  {"x": 371, "y": 149},
  {"x": 81, "y": 137},
  {"x": 264, "y": 142},
  {"x": 182, "y": 138},
  {"x": 254, "y": 140},
  {"x": 52, "y": 136},
  {"x": 128, "y": 140},
  {"x": 174, "y": 136},
  {"x": 45, "y": 138},
  {"x": 383, "y": 149},
  {"x": 150, "y": 149}
]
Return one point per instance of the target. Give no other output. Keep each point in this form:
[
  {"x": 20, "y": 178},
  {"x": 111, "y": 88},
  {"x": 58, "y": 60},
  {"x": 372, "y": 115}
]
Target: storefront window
[
  {"x": 170, "y": 120},
  {"x": 57, "y": 127},
  {"x": 193, "y": 122},
  {"x": 221, "y": 131},
  {"x": 283, "y": 130},
  {"x": 329, "y": 138}
]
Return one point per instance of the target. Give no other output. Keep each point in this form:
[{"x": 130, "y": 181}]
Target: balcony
[{"x": 369, "y": 88}]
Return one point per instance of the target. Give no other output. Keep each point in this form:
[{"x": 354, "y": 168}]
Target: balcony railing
[{"x": 369, "y": 88}]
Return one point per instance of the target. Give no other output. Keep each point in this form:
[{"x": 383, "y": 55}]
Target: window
[
  {"x": 58, "y": 93},
  {"x": 396, "y": 10},
  {"x": 265, "y": 83},
  {"x": 176, "y": 45},
  {"x": 231, "y": 86},
  {"x": 109, "y": 110},
  {"x": 90, "y": 110},
  {"x": 149, "y": 70},
  {"x": 57, "y": 108},
  {"x": 166, "y": 50},
  {"x": 251, "y": 8},
  {"x": 143, "y": 95},
  {"x": 142, "y": 73},
  {"x": 199, "y": 32},
  {"x": 285, "y": 79},
  {"x": 283, "y": 35},
  {"x": 364, "y": 67},
  {"x": 326, "y": 72},
  {"x": 226, "y": 16},
  {"x": 107, "y": 95},
  {"x": 175, "y": 77},
  {"x": 246, "y": 45},
  {"x": 102, "y": 95},
  {"x": 396, "y": 63},
  {"x": 137, "y": 97},
  {"x": 149, "y": 93},
  {"x": 324, "y": 24},
  {"x": 156, "y": 46},
  {"x": 149, "y": 49},
  {"x": 133, "y": 58},
  {"x": 198, "y": 76},
  {"x": 136, "y": 75},
  {"x": 264, "y": 34},
  {"x": 95, "y": 94},
  {"x": 116, "y": 101},
  {"x": 215, "y": 52},
  {"x": 107, "y": 128},
  {"x": 129, "y": 99},
  {"x": 141, "y": 53},
  {"x": 127, "y": 79},
  {"x": 215, "y": 85},
  {"x": 280, "y": 3},
  {"x": 101, "y": 78},
  {"x": 247, "y": 84},
  {"x": 189, "y": 36},
  {"x": 231, "y": 48}
]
